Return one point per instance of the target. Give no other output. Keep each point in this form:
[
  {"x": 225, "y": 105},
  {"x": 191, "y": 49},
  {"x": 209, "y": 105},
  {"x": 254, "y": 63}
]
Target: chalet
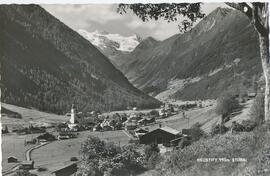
[
  {"x": 97, "y": 128},
  {"x": 160, "y": 136},
  {"x": 130, "y": 126},
  {"x": 69, "y": 170},
  {"x": 26, "y": 165},
  {"x": 139, "y": 132},
  {"x": 186, "y": 132},
  {"x": 251, "y": 94},
  {"x": 65, "y": 135},
  {"x": 12, "y": 159}
]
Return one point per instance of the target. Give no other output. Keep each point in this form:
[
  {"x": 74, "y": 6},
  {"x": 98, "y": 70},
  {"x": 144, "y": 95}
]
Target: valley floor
[{"x": 58, "y": 153}]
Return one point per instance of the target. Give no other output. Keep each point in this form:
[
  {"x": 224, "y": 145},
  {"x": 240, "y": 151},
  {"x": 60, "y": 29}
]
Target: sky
[{"x": 103, "y": 17}]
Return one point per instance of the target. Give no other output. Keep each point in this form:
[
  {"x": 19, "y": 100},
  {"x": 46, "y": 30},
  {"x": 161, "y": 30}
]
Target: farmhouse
[
  {"x": 27, "y": 165},
  {"x": 160, "y": 136},
  {"x": 130, "y": 125},
  {"x": 12, "y": 159},
  {"x": 66, "y": 135},
  {"x": 146, "y": 120},
  {"x": 139, "y": 132}
]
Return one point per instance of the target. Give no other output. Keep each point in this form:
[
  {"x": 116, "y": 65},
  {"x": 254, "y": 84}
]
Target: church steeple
[{"x": 72, "y": 114}]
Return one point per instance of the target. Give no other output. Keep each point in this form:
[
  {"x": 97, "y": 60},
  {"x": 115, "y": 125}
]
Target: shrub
[
  {"x": 154, "y": 112},
  {"x": 249, "y": 125},
  {"x": 226, "y": 104},
  {"x": 196, "y": 132},
  {"x": 184, "y": 142},
  {"x": 42, "y": 169},
  {"x": 23, "y": 173},
  {"x": 149, "y": 150},
  {"x": 101, "y": 158},
  {"x": 257, "y": 109},
  {"x": 218, "y": 129},
  {"x": 153, "y": 160}
]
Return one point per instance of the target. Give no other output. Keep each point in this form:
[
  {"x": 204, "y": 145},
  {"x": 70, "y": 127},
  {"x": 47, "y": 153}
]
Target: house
[
  {"x": 69, "y": 170},
  {"x": 97, "y": 128},
  {"x": 66, "y": 135},
  {"x": 160, "y": 136},
  {"x": 146, "y": 120},
  {"x": 139, "y": 132},
  {"x": 26, "y": 165},
  {"x": 12, "y": 159},
  {"x": 130, "y": 126},
  {"x": 251, "y": 94},
  {"x": 107, "y": 128},
  {"x": 186, "y": 132}
]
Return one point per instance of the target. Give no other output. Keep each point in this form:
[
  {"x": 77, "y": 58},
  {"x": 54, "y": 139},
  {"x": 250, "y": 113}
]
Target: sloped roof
[{"x": 170, "y": 130}]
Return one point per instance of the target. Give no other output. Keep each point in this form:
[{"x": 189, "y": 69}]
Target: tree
[
  {"x": 256, "y": 12},
  {"x": 226, "y": 104},
  {"x": 257, "y": 109},
  {"x": 150, "y": 150}
]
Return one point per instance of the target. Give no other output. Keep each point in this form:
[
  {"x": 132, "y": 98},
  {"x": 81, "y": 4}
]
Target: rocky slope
[
  {"x": 47, "y": 65},
  {"x": 221, "y": 52}
]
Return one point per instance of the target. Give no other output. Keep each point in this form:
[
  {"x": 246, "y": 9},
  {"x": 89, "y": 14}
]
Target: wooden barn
[
  {"x": 160, "y": 136},
  {"x": 26, "y": 165},
  {"x": 12, "y": 159}
]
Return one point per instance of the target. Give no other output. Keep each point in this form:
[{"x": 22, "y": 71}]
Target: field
[
  {"x": 30, "y": 116},
  {"x": 205, "y": 116},
  {"x": 57, "y": 154},
  {"x": 13, "y": 145}
]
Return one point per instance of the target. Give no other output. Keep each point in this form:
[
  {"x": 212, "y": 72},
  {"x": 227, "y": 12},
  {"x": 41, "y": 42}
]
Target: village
[
  {"x": 137, "y": 127},
  {"x": 169, "y": 126}
]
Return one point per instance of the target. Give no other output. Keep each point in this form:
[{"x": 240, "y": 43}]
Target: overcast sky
[{"x": 93, "y": 17}]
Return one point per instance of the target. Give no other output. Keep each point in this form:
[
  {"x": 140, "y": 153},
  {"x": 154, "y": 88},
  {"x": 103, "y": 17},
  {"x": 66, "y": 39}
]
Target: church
[{"x": 72, "y": 125}]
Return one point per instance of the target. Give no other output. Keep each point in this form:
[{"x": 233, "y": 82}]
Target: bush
[
  {"x": 42, "y": 169},
  {"x": 249, "y": 125},
  {"x": 149, "y": 150},
  {"x": 184, "y": 142},
  {"x": 23, "y": 173},
  {"x": 226, "y": 104},
  {"x": 218, "y": 129},
  {"x": 101, "y": 158},
  {"x": 154, "y": 112},
  {"x": 257, "y": 109},
  {"x": 196, "y": 132},
  {"x": 154, "y": 159}
]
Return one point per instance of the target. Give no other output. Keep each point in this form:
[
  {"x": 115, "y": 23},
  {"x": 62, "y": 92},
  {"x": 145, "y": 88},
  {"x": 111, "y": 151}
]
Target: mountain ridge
[
  {"x": 216, "y": 41},
  {"x": 49, "y": 66}
]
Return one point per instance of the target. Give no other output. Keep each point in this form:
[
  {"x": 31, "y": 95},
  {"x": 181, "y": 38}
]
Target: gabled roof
[
  {"x": 170, "y": 130},
  {"x": 140, "y": 130}
]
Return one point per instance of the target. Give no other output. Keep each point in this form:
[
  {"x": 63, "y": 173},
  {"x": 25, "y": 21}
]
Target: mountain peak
[
  {"x": 104, "y": 39},
  {"x": 147, "y": 43}
]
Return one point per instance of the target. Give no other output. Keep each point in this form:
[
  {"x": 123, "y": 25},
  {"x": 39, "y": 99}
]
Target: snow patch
[{"x": 100, "y": 39}]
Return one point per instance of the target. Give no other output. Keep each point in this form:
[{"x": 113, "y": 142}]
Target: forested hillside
[
  {"x": 202, "y": 63},
  {"x": 47, "y": 65}
]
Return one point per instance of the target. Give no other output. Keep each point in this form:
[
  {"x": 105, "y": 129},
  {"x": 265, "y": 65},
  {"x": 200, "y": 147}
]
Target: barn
[
  {"x": 12, "y": 159},
  {"x": 160, "y": 136}
]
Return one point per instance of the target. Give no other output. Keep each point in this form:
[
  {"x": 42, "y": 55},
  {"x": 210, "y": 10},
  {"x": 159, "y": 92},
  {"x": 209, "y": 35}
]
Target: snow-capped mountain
[{"x": 111, "y": 44}]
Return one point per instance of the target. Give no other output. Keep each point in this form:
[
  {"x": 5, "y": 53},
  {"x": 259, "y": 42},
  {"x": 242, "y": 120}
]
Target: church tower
[{"x": 72, "y": 114}]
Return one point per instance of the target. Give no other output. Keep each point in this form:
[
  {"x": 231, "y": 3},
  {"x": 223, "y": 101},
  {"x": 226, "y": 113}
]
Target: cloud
[{"x": 93, "y": 17}]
